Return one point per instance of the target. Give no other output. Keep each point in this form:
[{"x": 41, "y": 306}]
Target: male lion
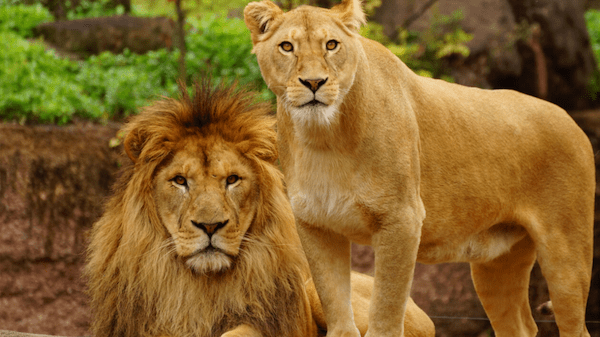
[
  {"x": 199, "y": 238},
  {"x": 367, "y": 147}
]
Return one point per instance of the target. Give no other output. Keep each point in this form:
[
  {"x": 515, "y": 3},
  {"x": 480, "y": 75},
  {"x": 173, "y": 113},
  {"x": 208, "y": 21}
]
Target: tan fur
[
  {"x": 149, "y": 269},
  {"x": 422, "y": 170}
]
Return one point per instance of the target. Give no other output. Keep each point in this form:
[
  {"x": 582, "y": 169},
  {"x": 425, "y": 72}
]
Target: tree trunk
[{"x": 180, "y": 37}]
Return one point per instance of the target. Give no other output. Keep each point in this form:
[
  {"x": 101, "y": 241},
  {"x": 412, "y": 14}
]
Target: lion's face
[
  {"x": 204, "y": 197},
  {"x": 308, "y": 57}
]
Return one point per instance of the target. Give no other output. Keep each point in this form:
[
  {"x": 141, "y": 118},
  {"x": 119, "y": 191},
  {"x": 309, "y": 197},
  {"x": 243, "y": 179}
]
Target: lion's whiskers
[{"x": 256, "y": 242}]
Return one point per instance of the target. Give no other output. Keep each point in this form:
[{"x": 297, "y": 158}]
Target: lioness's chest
[{"x": 325, "y": 190}]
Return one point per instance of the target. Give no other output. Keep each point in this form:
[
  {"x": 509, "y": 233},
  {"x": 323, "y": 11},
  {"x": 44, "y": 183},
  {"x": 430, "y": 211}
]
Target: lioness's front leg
[
  {"x": 395, "y": 244},
  {"x": 328, "y": 255},
  {"x": 243, "y": 330}
]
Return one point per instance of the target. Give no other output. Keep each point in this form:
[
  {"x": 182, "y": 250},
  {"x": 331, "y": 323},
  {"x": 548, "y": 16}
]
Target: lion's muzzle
[{"x": 209, "y": 228}]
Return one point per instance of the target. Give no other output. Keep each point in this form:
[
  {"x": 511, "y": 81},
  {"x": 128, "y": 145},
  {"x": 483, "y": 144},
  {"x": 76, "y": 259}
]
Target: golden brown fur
[
  {"x": 423, "y": 170},
  {"x": 153, "y": 268}
]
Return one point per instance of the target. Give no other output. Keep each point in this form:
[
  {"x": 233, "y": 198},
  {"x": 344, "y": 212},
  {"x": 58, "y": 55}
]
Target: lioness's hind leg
[
  {"x": 502, "y": 286},
  {"x": 566, "y": 263}
]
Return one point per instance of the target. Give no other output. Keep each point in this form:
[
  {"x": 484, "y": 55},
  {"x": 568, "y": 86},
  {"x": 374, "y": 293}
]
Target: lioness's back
[{"x": 469, "y": 138}]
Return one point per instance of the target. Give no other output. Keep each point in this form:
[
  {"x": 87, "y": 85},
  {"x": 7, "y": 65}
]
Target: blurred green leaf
[
  {"x": 422, "y": 52},
  {"x": 592, "y": 19}
]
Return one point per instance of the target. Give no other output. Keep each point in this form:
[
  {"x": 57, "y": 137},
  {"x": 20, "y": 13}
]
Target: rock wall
[
  {"x": 92, "y": 36},
  {"x": 52, "y": 185},
  {"x": 539, "y": 47}
]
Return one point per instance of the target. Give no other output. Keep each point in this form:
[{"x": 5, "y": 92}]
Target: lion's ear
[
  {"x": 351, "y": 13},
  {"x": 266, "y": 151},
  {"x": 133, "y": 145},
  {"x": 258, "y": 16}
]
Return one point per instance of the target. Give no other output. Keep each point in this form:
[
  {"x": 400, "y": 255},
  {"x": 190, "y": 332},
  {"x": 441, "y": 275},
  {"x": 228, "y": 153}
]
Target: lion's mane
[{"x": 136, "y": 284}]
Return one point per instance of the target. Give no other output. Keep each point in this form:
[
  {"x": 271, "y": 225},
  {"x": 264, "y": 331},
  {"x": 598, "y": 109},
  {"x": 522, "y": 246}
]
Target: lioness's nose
[
  {"x": 210, "y": 228},
  {"x": 313, "y": 84}
]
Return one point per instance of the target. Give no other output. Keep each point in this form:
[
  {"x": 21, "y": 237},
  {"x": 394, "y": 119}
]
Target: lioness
[
  {"x": 369, "y": 148},
  {"x": 199, "y": 238}
]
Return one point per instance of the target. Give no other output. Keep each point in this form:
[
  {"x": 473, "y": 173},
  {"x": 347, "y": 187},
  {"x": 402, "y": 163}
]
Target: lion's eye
[
  {"x": 331, "y": 44},
  {"x": 179, "y": 180},
  {"x": 286, "y": 46},
  {"x": 232, "y": 179}
]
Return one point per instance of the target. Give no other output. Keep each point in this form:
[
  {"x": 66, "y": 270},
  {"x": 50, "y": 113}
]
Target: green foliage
[
  {"x": 21, "y": 19},
  {"x": 191, "y": 7},
  {"x": 223, "y": 48},
  {"x": 92, "y": 9},
  {"x": 202, "y": 8},
  {"x": 592, "y": 19},
  {"x": 216, "y": 46},
  {"x": 446, "y": 35},
  {"x": 211, "y": 7},
  {"x": 155, "y": 8},
  {"x": 369, "y": 6},
  {"x": 423, "y": 52},
  {"x": 9, "y": 2},
  {"x": 37, "y": 85},
  {"x": 75, "y": 10},
  {"x": 125, "y": 82}
]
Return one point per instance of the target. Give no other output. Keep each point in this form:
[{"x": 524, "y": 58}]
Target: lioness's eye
[
  {"x": 179, "y": 180},
  {"x": 286, "y": 46},
  {"x": 331, "y": 44},
  {"x": 232, "y": 179}
]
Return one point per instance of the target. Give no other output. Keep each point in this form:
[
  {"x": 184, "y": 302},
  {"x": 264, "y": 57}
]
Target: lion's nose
[
  {"x": 313, "y": 84},
  {"x": 210, "y": 228}
]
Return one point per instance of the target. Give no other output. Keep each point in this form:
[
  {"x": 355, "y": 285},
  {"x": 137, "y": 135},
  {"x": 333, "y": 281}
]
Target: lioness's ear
[
  {"x": 258, "y": 16},
  {"x": 351, "y": 13}
]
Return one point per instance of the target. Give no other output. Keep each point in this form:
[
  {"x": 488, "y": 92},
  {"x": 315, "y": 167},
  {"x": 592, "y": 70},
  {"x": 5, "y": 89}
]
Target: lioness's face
[
  {"x": 308, "y": 58},
  {"x": 204, "y": 197}
]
